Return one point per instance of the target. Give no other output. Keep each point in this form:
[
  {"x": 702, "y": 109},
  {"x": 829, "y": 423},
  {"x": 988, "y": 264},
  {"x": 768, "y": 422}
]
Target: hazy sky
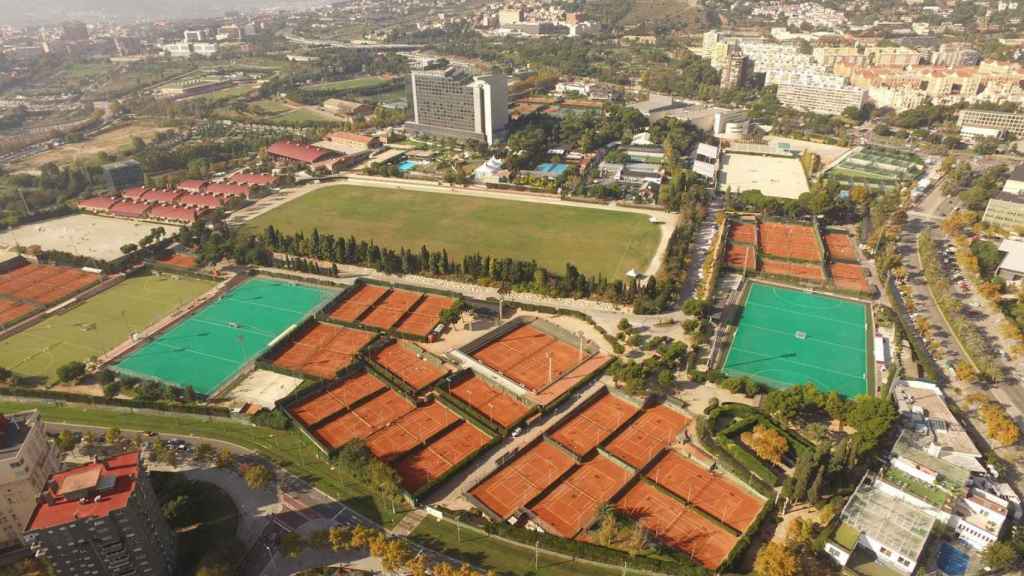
[{"x": 19, "y": 12}]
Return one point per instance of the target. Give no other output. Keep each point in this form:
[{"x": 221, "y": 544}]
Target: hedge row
[
  {"x": 727, "y": 461},
  {"x": 117, "y": 402}
]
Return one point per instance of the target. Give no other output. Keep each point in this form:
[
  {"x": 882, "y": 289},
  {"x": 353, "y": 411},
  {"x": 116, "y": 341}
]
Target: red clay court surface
[
  {"x": 840, "y": 247},
  {"x": 336, "y": 399},
  {"x": 676, "y": 525},
  {"x": 522, "y": 479},
  {"x": 435, "y": 459},
  {"x": 712, "y": 493},
  {"x": 572, "y": 505},
  {"x": 849, "y": 277},
  {"x": 358, "y": 303},
  {"x": 425, "y": 316},
  {"x": 570, "y": 380},
  {"x": 181, "y": 261},
  {"x": 44, "y": 285},
  {"x": 391, "y": 309},
  {"x": 591, "y": 426},
  {"x": 790, "y": 241},
  {"x": 410, "y": 368},
  {"x": 11, "y": 310},
  {"x": 793, "y": 270},
  {"x": 410, "y": 431},
  {"x": 647, "y": 436},
  {"x": 742, "y": 233},
  {"x": 323, "y": 350},
  {"x": 523, "y": 355},
  {"x": 740, "y": 257},
  {"x": 365, "y": 419},
  {"x": 494, "y": 404}
]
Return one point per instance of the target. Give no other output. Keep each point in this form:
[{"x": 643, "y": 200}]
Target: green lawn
[
  {"x": 596, "y": 241},
  {"x": 351, "y": 83},
  {"x": 226, "y": 94},
  {"x": 269, "y": 107},
  {"x": 97, "y": 325},
  {"x": 495, "y": 555},
  {"x": 305, "y": 116}
]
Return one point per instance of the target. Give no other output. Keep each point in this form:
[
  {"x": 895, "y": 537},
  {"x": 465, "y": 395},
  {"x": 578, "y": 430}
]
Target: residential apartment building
[
  {"x": 821, "y": 99},
  {"x": 735, "y": 69},
  {"x": 956, "y": 54},
  {"x": 1005, "y": 210},
  {"x": 451, "y": 103},
  {"x": 1000, "y": 122},
  {"x": 26, "y": 461},
  {"x": 102, "y": 519},
  {"x": 903, "y": 88}
]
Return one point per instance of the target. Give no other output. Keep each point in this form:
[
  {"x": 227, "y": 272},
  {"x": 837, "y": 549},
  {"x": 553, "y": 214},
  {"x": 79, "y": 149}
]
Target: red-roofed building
[
  {"x": 165, "y": 196},
  {"x": 173, "y": 213},
  {"x": 196, "y": 201},
  {"x": 192, "y": 186},
  {"x": 134, "y": 193},
  {"x": 254, "y": 180},
  {"x": 111, "y": 507},
  {"x": 129, "y": 209},
  {"x": 295, "y": 152},
  {"x": 351, "y": 142},
  {"x": 98, "y": 204},
  {"x": 228, "y": 190}
]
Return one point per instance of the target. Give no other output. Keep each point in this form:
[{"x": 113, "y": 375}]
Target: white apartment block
[
  {"x": 1010, "y": 122},
  {"x": 820, "y": 99},
  {"x": 26, "y": 461}
]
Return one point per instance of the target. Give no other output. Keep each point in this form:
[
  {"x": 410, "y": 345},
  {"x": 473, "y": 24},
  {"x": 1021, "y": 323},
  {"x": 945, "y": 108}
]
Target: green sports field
[
  {"x": 208, "y": 348},
  {"x": 596, "y": 241},
  {"x": 98, "y": 325},
  {"x": 788, "y": 337}
]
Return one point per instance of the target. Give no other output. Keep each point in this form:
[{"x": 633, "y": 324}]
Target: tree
[
  {"x": 204, "y": 452},
  {"x": 767, "y": 443},
  {"x": 129, "y": 248},
  {"x": 814, "y": 493},
  {"x": 216, "y": 569},
  {"x": 66, "y": 441},
  {"x": 71, "y": 371},
  {"x": 224, "y": 459},
  {"x": 1000, "y": 556},
  {"x": 257, "y": 476},
  {"x": 113, "y": 435},
  {"x": 775, "y": 560},
  {"x": 291, "y": 544}
]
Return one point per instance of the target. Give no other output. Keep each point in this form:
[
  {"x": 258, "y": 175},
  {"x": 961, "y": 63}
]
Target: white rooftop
[{"x": 1014, "y": 260}]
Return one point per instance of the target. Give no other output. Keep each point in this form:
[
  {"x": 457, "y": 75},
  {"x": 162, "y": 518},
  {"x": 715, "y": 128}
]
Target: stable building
[{"x": 294, "y": 152}]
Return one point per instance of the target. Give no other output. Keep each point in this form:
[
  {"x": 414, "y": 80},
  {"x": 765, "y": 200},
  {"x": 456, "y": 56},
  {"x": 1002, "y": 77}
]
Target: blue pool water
[
  {"x": 406, "y": 165},
  {"x": 553, "y": 169},
  {"x": 952, "y": 561}
]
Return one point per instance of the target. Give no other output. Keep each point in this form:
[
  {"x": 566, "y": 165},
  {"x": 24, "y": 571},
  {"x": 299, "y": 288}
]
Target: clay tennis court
[
  {"x": 11, "y": 310},
  {"x": 840, "y": 247},
  {"x": 793, "y": 270},
  {"x": 410, "y": 431},
  {"x": 676, "y": 525},
  {"x": 404, "y": 363},
  {"x": 43, "y": 284},
  {"x": 323, "y": 350},
  {"x": 441, "y": 455},
  {"x": 358, "y": 303},
  {"x": 741, "y": 257},
  {"x": 591, "y": 426},
  {"x": 522, "y": 479},
  {"x": 336, "y": 399},
  {"x": 527, "y": 355},
  {"x": 744, "y": 233},
  {"x": 391, "y": 309},
  {"x": 494, "y": 404},
  {"x": 422, "y": 319},
  {"x": 571, "y": 380},
  {"x": 178, "y": 260},
  {"x": 366, "y": 419},
  {"x": 712, "y": 493},
  {"x": 648, "y": 435},
  {"x": 849, "y": 277},
  {"x": 572, "y": 505},
  {"x": 790, "y": 241}
]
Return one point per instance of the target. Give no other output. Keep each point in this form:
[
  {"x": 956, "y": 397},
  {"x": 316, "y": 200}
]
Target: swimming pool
[
  {"x": 952, "y": 561},
  {"x": 553, "y": 169},
  {"x": 406, "y": 165}
]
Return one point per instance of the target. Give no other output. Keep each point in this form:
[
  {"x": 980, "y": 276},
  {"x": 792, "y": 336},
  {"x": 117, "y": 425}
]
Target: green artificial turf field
[
  {"x": 98, "y": 325},
  {"x": 208, "y": 348},
  {"x": 596, "y": 241},
  {"x": 351, "y": 83},
  {"x": 788, "y": 337}
]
